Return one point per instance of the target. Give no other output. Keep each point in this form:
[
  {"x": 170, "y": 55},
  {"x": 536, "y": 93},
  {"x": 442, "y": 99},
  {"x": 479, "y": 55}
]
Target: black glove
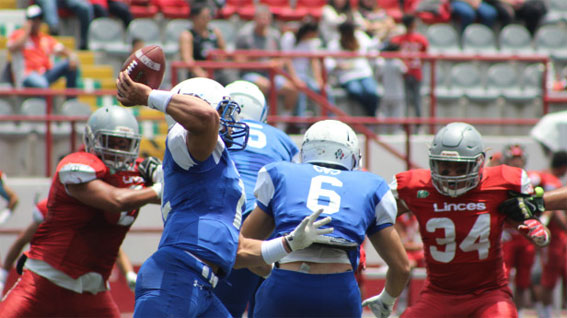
[
  {"x": 521, "y": 206},
  {"x": 148, "y": 169}
]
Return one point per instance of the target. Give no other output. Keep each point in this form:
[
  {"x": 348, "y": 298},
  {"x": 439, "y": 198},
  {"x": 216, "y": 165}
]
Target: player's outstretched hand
[
  {"x": 308, "y": 231},
  {"x": 520, "y": 207},
  {"x": 378, "y": 307},
  {"x": 131, "y": 93},
  {"x": 150, "y": 169},
  {"x": 533, "y": 229}
]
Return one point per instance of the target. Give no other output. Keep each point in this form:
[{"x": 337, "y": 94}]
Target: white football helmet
[
  {"x": 250, "y": 98},
  {"x": 456, "y": 148},
  {"x": 331, "y": 142},
  {"x": 233, "y": 132},
  {"x": 111, "y": 133}
]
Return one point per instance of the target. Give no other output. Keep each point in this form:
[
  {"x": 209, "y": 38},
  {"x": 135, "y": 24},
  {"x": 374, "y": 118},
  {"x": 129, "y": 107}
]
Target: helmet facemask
[
  {"x": 233, "y": 132},
  {"x": 118, "y": 149},
  {"x": 454, "y": 175}
]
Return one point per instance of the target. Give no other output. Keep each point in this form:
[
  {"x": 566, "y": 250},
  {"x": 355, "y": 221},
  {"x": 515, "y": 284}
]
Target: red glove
[{"x": 533, "y": 229}]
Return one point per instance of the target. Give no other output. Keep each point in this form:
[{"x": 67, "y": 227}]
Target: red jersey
[
  {"x": 76, "y": 238},
  {"x": 40, "y": 211},
  {"x": 461, "y": 236},
  {"x": 412, "y": 43}
]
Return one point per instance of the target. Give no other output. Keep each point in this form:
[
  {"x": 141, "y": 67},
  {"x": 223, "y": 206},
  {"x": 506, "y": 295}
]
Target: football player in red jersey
[
  {"x": 554, "y": 256},
  {"x": 455, "y": 203},
  {"x": 518, "y": 252},
  {"x": 39, "y": 214},
  {"x": 93, "y": 200}
]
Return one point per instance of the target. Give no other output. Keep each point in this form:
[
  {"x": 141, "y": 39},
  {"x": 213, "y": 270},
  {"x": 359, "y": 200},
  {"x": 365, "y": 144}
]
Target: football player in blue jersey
[
  {"x": 266, "y": 144},
  {"x": 319, "y": 281},
  {"x": 202, "y": 203}
]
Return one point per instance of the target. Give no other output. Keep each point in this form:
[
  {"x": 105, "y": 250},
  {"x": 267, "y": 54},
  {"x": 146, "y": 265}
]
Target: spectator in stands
[
  {"x": 335, "y": 13},
  {"x": 355, "y": 74},
  {"x": 259, "y": 35},
  {"x": 119, "y": 9},
  {"x": 377, "y": 23},
  {"x": 412, "y": 42},
  {"x": 195, "y": 43},
  {"x": 81, "y": 8},
  {"x": 468, "y": 11},
  {"x": 305, "y": 40},
  {"x": 391, "y": 73},
  {"x": 36, "y": 49},
  {"x": 530, "y": 11}
]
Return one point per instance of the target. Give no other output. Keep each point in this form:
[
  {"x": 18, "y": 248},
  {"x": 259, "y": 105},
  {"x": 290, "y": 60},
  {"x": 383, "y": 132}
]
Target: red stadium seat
[
  {"x": 277, "y": 7},
  {"x": 304, "y": 8},
  {"x": 143, "y": 8},
  {"x": 174, "y": 9},
  {"x": 233, "y": 6},
  {"x": 392, "y": 7}
]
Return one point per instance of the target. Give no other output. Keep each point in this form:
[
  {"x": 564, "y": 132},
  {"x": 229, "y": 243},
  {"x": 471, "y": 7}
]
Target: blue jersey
[
  {"x": 266, "y": 144},
  {"x": 202, "y": 201},
  {"x": 359, "y": 202}
]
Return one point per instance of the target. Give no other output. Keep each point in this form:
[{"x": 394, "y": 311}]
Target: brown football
[{"x": 146, "y": 66}]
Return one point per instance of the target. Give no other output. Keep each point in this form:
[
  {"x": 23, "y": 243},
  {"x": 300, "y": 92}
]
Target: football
[{"x": 146, "y": 66}]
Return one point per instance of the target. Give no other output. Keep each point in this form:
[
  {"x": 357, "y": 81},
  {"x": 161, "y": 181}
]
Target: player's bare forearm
[
  {"x": 249, "y": 253},
  {"x": 16, "y": 248},
  {"x": 106, "y": 197},
  {"x": 388, "y": 244},
  {"x": 556, "y": 199}
]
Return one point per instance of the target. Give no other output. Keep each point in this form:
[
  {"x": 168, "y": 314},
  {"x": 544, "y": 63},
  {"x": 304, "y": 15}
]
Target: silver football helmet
[
  {"x": 456, "y": 159},
  {"x": 331, "y": 142},
  {"x": 233, "y": 132},
  {"x": 250, "y": 98},
  {"x": 112, "y": 134}
]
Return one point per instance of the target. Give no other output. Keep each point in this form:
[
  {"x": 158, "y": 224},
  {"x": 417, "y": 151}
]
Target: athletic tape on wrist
[
  {"x": 159, "y": 100},
  {"x": 158, "y": 188},
  {"x": 273, "y": 250},
  {"x": 386, "y": 298}
]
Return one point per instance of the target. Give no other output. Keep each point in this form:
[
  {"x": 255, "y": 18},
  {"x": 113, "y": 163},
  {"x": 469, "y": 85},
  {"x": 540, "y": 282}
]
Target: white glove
[
  {"x": 131, "y": 280},
  {"x": 381, "y": 305},
  {"x": 308, "y": 231},
  {"x": 5, "y": 215}
]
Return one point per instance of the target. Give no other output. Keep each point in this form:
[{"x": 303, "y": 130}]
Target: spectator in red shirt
[
  {"x": 412, "y": 42},
  {"x": 36, "y": 48}
]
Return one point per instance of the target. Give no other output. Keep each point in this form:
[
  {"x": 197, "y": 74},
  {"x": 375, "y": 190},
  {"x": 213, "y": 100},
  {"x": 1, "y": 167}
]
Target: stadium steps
[{"x": 67, "y": 41}]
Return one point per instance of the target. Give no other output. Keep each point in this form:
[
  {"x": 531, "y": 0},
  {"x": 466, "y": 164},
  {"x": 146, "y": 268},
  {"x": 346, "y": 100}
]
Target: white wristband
[
  {"x": 273, "y": 250},
  {"x": 158, "y": 188},
  {"x": 159, "y": 100},
  {"x": 386, "y": 298}
]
